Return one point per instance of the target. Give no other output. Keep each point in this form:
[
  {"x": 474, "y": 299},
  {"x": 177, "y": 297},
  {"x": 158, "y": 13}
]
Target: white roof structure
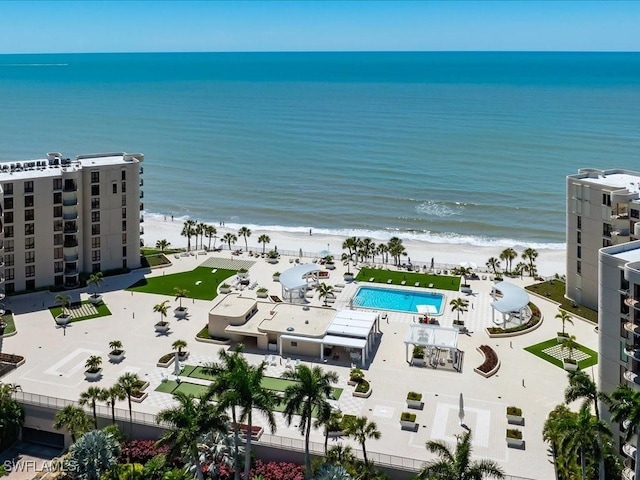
[
  {"x": 352, "y": 323},
  {"x": 295, "y": 277},
  {"x": 330, "y": 340},
  {"x": 431, "y": 336},
  {"x": 513, "y": 299}
]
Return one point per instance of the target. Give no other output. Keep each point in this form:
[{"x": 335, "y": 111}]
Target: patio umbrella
[
  {"x": 470, "y": 265},
  {"x": 432, "y": 263},
  {"x": 300, "y": 253},
  {"x": 324, "y": 253},
  {"x": 461, "y": 412},
  {"x": 427, "y": 309}
]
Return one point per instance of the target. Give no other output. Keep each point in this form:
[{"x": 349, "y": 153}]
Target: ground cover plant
[
  {"x": 201, "y": 283},
  {"x": 537, "y": 350},
  {"x": 146, "y": 252},
  {"x": 554, "y": 290},
  {"x": 154, "y": 261},
  {"x": 10, "y": 325},
  {"x": 76, "y": 311},
  {"x": 441, "y": 282}
]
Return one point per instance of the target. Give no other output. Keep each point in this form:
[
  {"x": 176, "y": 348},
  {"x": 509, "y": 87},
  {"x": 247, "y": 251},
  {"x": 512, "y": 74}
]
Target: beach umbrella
[
  {"x": 432, "y": 263},
  {"x": 324, "y": 253},
  {"x": 461, "y": 411},
  {"x": 300, "y": 253}
]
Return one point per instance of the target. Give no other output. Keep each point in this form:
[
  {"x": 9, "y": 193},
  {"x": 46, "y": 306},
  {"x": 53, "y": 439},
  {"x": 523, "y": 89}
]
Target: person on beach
[{"x": 309, "y": 232}]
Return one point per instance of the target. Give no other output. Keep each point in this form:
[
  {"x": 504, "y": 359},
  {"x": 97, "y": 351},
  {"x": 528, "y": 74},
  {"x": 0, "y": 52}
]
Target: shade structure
[
  {"x": 431, "y": 336},
  {"x": 513, "y": 299},
  {"x": 470, "y": 265},
  {"x": 428, "y": 309}
]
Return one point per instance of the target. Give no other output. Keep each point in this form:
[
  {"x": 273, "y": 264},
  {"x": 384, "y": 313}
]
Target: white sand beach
[{"x": 549, "y": 261}]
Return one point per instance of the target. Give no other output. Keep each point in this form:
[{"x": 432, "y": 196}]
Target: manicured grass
[
  {"x": 167, "y": 387},
  {"x": 555, "y": 290},
  {"x": 11, "y": 326},
  {"x": 441, "y": 282},
  {"x": 191, "y": 389},
  {"x": 155, "y": 251},
  {"x": 164, "y": 284},
  {"x": 102, "y": 311},
  {"x": 537, "y": 351}
]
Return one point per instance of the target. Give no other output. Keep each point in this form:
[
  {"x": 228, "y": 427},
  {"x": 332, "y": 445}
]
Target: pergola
[
  {"x": 434, "y": 339},
  {"x": 299, "y": 279},
  {"x": 514, "y": 301}
]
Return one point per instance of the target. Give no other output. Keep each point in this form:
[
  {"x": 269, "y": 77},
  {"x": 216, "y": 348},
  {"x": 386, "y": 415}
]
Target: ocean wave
[
  {"x": 439, "y": 209},
  {"x": 34, "y": 65},
  {"x": 380, "y": 235}
]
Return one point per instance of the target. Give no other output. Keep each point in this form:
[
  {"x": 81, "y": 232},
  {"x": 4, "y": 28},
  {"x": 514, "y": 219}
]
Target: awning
[{"x": 329, "y": 340}]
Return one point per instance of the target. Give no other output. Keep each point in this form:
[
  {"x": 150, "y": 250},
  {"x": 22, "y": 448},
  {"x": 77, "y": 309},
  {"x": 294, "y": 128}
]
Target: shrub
[
  {"x": 418, "y": 351},
  {"x": 277, "y": 471},
  {"x": 514, "y": 433},
  {"x": 262, "y": 290},
  {"x": 167, "y": 357},
  {"x": 356, "y": 375},
  {"x": 414, "y": 396},
  {"x": 408, "y": 417},
  {"x": 204, "y": 333},
  {"x": 346, "y": 420},
  {"x": 363, "y": 386},
  {"x": 514, "y": 411},
  {"x": 140, "y": 451}
]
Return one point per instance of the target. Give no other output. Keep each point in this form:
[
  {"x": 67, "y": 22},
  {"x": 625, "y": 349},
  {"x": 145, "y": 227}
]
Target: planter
[
  {"x": 139, "y": 399},
  {"x": 570, "y": 366},
  {"x": 93, "y": 376},
  {"x": 276, "y": 278},
  {"x": 162, "y": 327},
  {"x": 167, "y": 363},
  {"x": 116, "y": 357},
  {"x": 515, "y": 443},
  {"x": 417, "y": 404},
  {"x": 408, "y": 421},
  {"x": 330, "y": 266},
  {"x": 180, "y": 312},
  {"x": 348, "y": 277},
  {"x": 459, "y": 326},
  {"x": 262, "y": 293},
  {"x": 417, "y": 361},
  {"x": 561, "y": 338},
  {"x": 242, "y": 275},
  {"x": 363, "y": 394},
  {"x": 225, "y": 289},
  {"x": 63, "y": 319},
  {"x": 515, "y": 419},
  {"x": 272, "y": 261},
  {"x": 95, "y": 299}
]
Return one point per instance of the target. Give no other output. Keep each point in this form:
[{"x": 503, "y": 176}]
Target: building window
[
  {"x": 95, "y": 203},
  {"x": 95, "y": 229},
  {"x": 8, "y": 217},
  {"x": 606, "y": 243},
  {"x": 124, "y": 200},
  {"x": 30, "y": 284},
  {"x": 294, "y": 344},
  {"x": 579, "y": 267},
  {"x": 124, "y": 226},
  {"x": 29, "y": 228},
  {"x": 29, "y": 257},
  {"x": 606, "y": 199},
  {"x": 635, "y": 213},
  {"x": 7, "y": 188},
  {"x": 95, "y": 255},
  {"x": 124, "y": 251},
  {"x": 57, "y": 184},
  {"x": 95, "y": 242},
  {"x": 123, "y": 175},
  {"x": 124, "y": 238},
  {"x": 579, "y": 237},
  {"x": 8, "y": 260},
  {"x": 30, "y": 271},
  {"x": 57, "y": 211},
  {"x": 29, "y": 242},
  {"x": 28, "y": 187},
  {"x": 114, "y": 187},
  {"x": 57, "y": 239},
  {"x": 95, "y": 190},
  {"x": 29, "y": 215},
  {"x": 10, "y": 288},
  {"x": 8, "y": 244},
  {"x": 57, "y": 197},
  {"x": 8, "y": 232},
  {"x": 95, "y": 267},
  {"x": 579, "y": 252},
  {"x": 8, "y": 203},
  {"x": 124, "y": 213},
  {"x": 9, "y": 274},
  {"x": 579, "y": 218},
  {"x": 57, "y": 253},
  {"x": 95, "y": 216},
  {"x": 124, "y": 263},
  {"x": 58, "y": 267},
  {"x": 606, "y": 230},
  {"x": 123, "y": 187},
  {"x": 28, "y": 201},
  {"x": 95, "y": 177}
]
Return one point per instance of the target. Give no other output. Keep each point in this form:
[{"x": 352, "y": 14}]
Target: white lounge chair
[
  {"x": 389, "y": 281},
  {"x": 403, "y": 282},
  {"x": 287, "y": 363},
  {"x": 298, "y": 362},
  {"x": 417, "y": 284},
  {"x": 272, "y": 360},
  {"x": 431, "y": 285},
  {"x": 371, "y": 279}
]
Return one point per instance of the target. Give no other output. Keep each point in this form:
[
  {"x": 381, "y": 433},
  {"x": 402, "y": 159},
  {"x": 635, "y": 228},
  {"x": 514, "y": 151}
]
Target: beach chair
[
  {"x": 266, "y": 358},
  {"x": 287, "y": 363},
  {"x": 403, "y": 282},
  {"x": 431, "y": 285},
  {"x": 272, "y": 360},
  {"x": 371, "y": 279},
  {"x": 417, "y": 284},
  {"x": 389, "y": 282},
  {"x": 298, "y": 362}
]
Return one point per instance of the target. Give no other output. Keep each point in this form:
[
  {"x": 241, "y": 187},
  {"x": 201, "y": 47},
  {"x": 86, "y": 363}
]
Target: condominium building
[
  {"x": 603, "y": 209},
  {"x": 62, "y": 217},
  {"x": 619, "y": 335}
]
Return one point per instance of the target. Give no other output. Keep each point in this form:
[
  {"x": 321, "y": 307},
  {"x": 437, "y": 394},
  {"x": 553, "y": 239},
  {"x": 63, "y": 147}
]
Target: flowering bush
[
  {"x": 277, "y": 471},
  {"x": 140, "y": 451}
]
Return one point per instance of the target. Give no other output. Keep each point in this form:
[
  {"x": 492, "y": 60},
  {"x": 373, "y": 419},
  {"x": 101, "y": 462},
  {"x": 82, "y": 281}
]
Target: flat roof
[
  {"x": 233, "y": 305},
  {"x": 431, "y": 336},
  {"x": 616, "y": 179},
  {"x": 305, "y": 321},
  {"x": 295, "y": 277},
  {"x": 514, "y": 298},
  {"x": 352, "y": 323}
]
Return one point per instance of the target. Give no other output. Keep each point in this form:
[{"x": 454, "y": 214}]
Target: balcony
[
  {"x": 70, "y": 258},
  {"x": 141, "y": 170},
  {"x": 70, "y": 227},
  {"x": 141, "y": 219},
  {"x": 632, "y": 302},
  {"x": 71, "y": 271},
  {"x": 632, "y": 378},
  {"x": 142, "y": 231},
  {"x": 141, "y": 194},
  {"x": 141, "y": 206},
  {"x": 70, "y": 215},
  {"x": 632, "y": 327},
  {"x": 70, "y": 187},
  {"x": 69, "y": 202},
  {"x": 632, "y": 351},
  {"x": 628, "y": 474},
  {"x": 141, "y": 182}
]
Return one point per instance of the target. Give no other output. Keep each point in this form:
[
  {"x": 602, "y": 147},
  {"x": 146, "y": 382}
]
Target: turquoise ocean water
[{"x": 470, "y": 147}]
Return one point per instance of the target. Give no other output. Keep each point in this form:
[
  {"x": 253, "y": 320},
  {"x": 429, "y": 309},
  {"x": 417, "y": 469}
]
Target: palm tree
[
  {"x": 93, "y": 363},
  {"x": 396, "y": 249},
  {"x": 362, "y": 429},
  {"x": 110, "y": 396},
  {"x": 179, "y": 345},
  {"x": 264, "y": 239},
  {"x": 90, "y": 398},
  {"x": 245, "y": 232},
  {"x": 494, "y": 264},
  {"x": 229, "y": 238},
  {"x": 521, "y": 267},
  {"x": 188, "y": 230},
  {"x": 530, "y": 254},
  {"x": 130, "y": 385},
  {"x": 309, "y": 393},
  {"x": 552, "y": 433},
  {"x": 508, "y": 255},
  {"x": 350, "y": 244},
  {"x": 73, "y": 419},
  {"x": 189, "y": 420},
  {"x": 325, "y": 291},
  {"x": 564, "y": 317},
  {"x": 346, "y": 259},
  {"x": 179, "y": 293},
  {"x": 459, "y": 305},
  {"x": 162, "y": 244},
  {"x": 162, "y": 309},
  {"x": 624, "y": 406},
  {"x": 331, "y": 423},
  {"x": 64, "y": 301},
  {"x": 457, "y": 464},
  {"x": 95, "y": 279},
  {"x": 570, "y": 344},
  {"x": 201, "y": 230},
  {"x": 210, "y": 232},
  {"x": 11, "y": 415},
  {"x": 383, "y": 250}
]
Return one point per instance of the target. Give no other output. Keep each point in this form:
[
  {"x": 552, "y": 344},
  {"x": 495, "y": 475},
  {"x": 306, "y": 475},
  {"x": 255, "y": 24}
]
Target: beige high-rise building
[
  {"x": 603, "y": 209},
  {"x": 62, "y": 217}
]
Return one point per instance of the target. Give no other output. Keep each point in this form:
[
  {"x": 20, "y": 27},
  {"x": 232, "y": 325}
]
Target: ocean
[{"x": 457, "y": 147}]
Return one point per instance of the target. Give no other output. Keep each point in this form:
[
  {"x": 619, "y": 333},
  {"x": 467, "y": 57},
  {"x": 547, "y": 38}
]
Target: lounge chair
[
  {"x": 417, "y": 284},
  {"x": 389, "y": 281},
  {"x": 431, "y": 285},
  {"x": 371, "y": 279},
  {"x": 287, "y": 363},
  {"x": 403, "y": 282},
  {"x": 272, "y": 360},
  {"x": 298, "y": 362}
]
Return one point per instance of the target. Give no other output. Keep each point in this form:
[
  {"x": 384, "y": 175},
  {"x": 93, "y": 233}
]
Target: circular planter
[
  {"x": 225, "y": 290},
  {"x": 162, "y": 328},
  {"x": 348, "y": 277},
  {"x": 276, "y": 278},
  {"x": 570, "y": 366},
  {"x": 180, "y": 312},
  {"x": 63, "y": 319},
  {"x": 272, "y": 261},
  {"x": 95, "y": 299}
]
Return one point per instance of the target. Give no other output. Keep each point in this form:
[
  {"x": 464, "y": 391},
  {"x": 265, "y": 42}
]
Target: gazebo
[
  {"x": 435, "y": 339},
  {"x": 299, "y": 279},
  {"x": 512, "y": 302}
]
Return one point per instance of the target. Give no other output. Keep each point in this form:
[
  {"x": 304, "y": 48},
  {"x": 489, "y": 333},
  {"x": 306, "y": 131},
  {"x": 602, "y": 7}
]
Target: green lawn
[
  {"x": 537, "y": 351},
  {"x": 155, "y": 251},
  {"x": 555, "y": 290},
  {"x": 76, "y": 311},
  {"x": 11, "y": 326},
  {"x": 206, "y": 289},
  {"x": 441, "y": 282}
]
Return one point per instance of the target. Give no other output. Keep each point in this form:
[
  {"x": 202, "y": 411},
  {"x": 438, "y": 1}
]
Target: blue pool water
[{"x": 403, "y": 300}]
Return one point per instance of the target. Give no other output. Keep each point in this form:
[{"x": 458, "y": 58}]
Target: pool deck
[{"x": 55, "y": 364}]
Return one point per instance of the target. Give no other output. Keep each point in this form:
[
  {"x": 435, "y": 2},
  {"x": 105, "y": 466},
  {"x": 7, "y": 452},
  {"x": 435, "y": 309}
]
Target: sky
[{"x": 218, "y": 26}]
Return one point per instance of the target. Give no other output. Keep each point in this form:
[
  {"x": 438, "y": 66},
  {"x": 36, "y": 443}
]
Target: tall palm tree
[
  {"x": 552, "y": 433},
  {"x": 350, "y": 244},
  {"x": 73, "y": 419},
  {"x": 188, "y": 230},
  {"x": 508, "y": 255},
  {"x": 90, "y": 398},
  {"x": 210, "y": 232},
  {"x": 163, "y": 244},
  {"x": 64, "y": 301},
  {"x": 494, "y": 264},
  {"x": 189, "y": 420},
  {"x": 624, "y": 406},
  {"x": 229, "y": 238},
  {"x": 162, "y": 309},
  {"x": 362, "y": 429},
  {"x": 11, "y": 415},
  {"x": 264, "y": 239},
  {"x": 521, "y": 267},
  {"x": 95, "y": 279},
  {"x": 346, "y": 259},
  {"x": 245, "y": 232},
  {"x": 332, "y": 422},
  {"x": 325, "y": 291},
  {"x": 564, "y": 317},
  {"x": 309, "y": 393},
  {"x": 110, "y": 396},
  {"x": 130, "y": 385},
  {"x": 457, "y": 464},
  {"x": 396, "y": 249},
  {"x": 569, "y": 343},
  {"x": 179, "y": 293},
  {"x": 383, "y": 251},
  {"x": 530, "y": 254},
  {"x": 459, "y": 305},
  {"x": 179, "y": 345},
  {"x": 201, "y": 229}
]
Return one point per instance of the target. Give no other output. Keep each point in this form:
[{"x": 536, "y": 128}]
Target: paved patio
[{"x": 55, "y": 365}]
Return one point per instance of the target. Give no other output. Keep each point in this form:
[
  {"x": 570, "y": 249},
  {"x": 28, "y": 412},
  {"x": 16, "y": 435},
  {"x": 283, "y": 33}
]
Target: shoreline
[{"x": 549, "y": 262}]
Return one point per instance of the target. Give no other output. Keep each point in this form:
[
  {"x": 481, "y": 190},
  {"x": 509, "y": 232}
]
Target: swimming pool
[{"x": 402, "y": 300}]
